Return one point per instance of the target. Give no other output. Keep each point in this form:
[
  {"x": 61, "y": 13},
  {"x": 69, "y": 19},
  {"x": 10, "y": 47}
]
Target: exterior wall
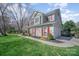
[
  {"x": 57, "y": 31},
  {"x": 57, "y": 25},
  {"x": 44, "y": 19}
]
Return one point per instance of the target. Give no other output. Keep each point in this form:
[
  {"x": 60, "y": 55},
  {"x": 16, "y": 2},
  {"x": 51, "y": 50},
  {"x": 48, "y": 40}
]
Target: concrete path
[{"x": 61, "y": 42}]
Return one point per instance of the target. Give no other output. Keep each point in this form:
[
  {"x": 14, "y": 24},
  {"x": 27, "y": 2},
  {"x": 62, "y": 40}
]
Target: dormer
[{"x": 53, "y": 15}]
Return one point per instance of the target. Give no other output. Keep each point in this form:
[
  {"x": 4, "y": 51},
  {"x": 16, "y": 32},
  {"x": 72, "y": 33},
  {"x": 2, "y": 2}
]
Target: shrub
[
  {"x": 43, "y": 38},
  {"x": 11, "y": 30},
  {"x": 76, "y": 32},
  {"x": 77, "y": 35},
  {"x": 65, "y": 33},
  {"x": 0, "y": 34},
  {"x": 50, "y": 37},
  {"x": 25, "y": 33}
]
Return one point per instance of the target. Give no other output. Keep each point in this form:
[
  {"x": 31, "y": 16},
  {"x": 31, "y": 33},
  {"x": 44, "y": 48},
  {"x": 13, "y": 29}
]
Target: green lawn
[{"x": 14, "y": 45}]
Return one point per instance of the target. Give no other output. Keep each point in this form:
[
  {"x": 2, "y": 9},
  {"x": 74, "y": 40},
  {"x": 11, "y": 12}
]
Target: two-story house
[{"x": 41, "y": 24}]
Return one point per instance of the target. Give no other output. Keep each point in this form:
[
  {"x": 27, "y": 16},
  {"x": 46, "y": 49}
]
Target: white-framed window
[
  {"x": 37, "y": 20},
  {"x": 51, "y": 17}
]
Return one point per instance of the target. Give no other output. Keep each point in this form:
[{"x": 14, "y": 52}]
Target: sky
[{"x": 69, "y": 11}]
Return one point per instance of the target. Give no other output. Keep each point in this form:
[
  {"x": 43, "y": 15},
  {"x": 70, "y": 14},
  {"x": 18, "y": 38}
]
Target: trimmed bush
[{"x": 50, "y": 37}]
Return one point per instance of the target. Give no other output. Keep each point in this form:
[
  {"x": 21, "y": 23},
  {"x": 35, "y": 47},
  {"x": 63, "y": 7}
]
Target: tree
[
  {"x": 67, "y": 27},
  {"x": 20, "y": 13},
  {"x": 3, "y": 18},
  {"x": 77, "y": 24},
  {"x": 75, "y": 30}
]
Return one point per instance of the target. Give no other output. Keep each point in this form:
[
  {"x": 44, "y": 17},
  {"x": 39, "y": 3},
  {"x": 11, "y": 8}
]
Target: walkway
[{"x": 61, "y": 42}]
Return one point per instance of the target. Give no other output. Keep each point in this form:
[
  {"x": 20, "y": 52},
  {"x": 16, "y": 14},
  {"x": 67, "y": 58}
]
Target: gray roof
[
  {"x": 53, "y": 12},
  {"x": 44, "y": 24}
]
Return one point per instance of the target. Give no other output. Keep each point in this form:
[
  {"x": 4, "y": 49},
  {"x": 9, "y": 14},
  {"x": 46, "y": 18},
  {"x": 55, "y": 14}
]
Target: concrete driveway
[
  {"x": 67, "y": 42},
  {"x": 60, "y": 42}
]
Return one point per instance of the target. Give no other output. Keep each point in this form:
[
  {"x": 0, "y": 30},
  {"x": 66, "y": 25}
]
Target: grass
[{"x": 13, "y": 45}]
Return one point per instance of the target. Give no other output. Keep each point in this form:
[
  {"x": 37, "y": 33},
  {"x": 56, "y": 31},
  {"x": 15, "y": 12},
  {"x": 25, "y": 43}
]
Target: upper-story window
[
  {"x": 51, "y": 17},
  {"x": 37, "y": 20}
]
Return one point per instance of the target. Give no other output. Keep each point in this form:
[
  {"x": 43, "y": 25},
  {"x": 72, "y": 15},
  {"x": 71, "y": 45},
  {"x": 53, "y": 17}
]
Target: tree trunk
[{"x": 3, "y": 26}]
